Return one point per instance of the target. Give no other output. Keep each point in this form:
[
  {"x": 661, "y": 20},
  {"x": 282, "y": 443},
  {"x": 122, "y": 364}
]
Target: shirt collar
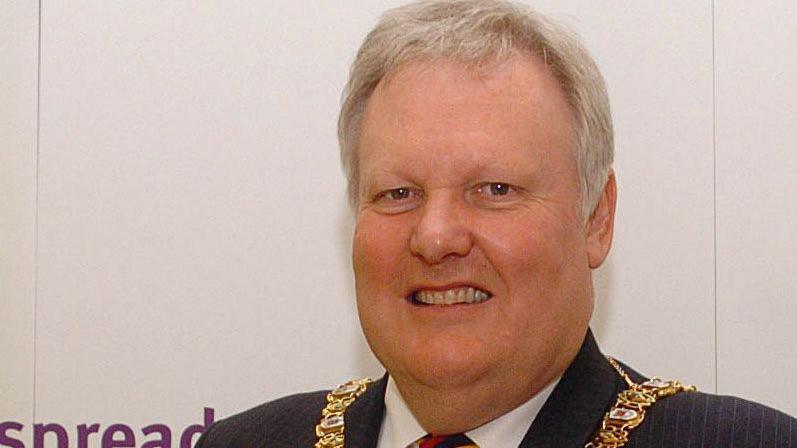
[{"x": 400, "y": 428}]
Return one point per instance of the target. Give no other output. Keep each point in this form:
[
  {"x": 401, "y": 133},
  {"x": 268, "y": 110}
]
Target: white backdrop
[{"x": 174, "y": 233}]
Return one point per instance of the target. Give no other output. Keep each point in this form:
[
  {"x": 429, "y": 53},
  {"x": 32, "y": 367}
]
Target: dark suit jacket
[{"x": 568, "y": 419}]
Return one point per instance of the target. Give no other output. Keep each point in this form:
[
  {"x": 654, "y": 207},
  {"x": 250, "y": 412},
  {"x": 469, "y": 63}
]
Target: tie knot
[{"x": 449, "y": 441}]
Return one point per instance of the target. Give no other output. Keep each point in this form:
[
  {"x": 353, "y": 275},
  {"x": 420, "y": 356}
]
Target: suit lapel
[
  {"x": 364, "y": 416},
  {"x": 576, "y": 406}
]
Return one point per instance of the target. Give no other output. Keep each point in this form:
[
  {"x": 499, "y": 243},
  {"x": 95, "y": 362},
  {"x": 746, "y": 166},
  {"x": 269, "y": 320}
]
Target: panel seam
[
  {"x": 714, "y": 190},
  {"x": 36, "y": 204}
]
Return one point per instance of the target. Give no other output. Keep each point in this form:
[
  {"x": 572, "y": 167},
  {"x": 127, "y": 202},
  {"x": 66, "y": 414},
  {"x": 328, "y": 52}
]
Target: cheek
[
  {"x": 528, "y": 251},
  {"x": 538, "y": 261},
  {"x": 377, "y": 250}
]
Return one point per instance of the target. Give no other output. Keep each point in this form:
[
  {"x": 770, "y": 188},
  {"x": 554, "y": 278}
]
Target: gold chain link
[
  {"x": 330, "y": 430},
  {"x": 629, "y": 410}
]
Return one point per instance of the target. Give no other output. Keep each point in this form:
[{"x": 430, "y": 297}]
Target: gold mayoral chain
[
  {"x": 629, "y": 410},
  {"x": 616, "y": 426}
]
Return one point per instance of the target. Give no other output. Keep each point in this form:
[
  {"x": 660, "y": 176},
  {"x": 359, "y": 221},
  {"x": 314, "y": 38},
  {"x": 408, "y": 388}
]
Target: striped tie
[{"x": 452, "y": 441}]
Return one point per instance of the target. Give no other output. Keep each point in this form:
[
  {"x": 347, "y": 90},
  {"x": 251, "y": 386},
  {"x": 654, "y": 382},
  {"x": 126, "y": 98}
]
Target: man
[{"x": 477, "y": 140}]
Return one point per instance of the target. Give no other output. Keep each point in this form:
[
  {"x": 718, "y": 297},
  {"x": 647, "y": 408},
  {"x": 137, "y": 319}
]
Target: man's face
[{"x": 470, "y": 257}]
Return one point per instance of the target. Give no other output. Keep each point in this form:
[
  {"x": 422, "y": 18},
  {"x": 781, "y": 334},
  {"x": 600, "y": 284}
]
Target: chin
[{"x": 439, "y": 369}]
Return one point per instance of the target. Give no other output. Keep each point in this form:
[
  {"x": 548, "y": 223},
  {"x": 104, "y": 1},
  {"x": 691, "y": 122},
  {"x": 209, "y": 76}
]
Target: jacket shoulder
[
  {"x": 288, "y": 421},
  {"x": 697, "y": 419}
]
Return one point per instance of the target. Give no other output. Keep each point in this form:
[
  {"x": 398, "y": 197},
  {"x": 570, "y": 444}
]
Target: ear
[{"x": 600, "y": 225}]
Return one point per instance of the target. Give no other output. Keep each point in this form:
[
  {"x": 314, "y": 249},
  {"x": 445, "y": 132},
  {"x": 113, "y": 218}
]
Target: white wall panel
[
  {"x": 18, "y": 72},
  {"x": 194, "y": 235},
  {"x": 756, "y": 209},
  {"x": 655, "y": 295},
  {"x": 193, "y": 218}
]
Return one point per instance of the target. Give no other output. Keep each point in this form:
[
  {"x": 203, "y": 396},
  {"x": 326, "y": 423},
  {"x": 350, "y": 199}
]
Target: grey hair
[{"x": 479, "y": 33}]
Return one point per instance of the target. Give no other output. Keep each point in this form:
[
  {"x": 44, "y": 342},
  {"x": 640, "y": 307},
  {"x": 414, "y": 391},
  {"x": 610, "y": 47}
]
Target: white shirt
[{"x": 400, "y": 428}]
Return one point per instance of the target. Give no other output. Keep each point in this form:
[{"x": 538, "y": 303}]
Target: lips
[{"x": 450, "y": 296}]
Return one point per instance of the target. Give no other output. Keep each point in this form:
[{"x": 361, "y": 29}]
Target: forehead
[{"x": 445, "y": 108}]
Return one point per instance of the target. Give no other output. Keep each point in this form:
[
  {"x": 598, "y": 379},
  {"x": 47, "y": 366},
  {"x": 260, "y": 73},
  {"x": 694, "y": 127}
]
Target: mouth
[{"x": 450, "y": 296}]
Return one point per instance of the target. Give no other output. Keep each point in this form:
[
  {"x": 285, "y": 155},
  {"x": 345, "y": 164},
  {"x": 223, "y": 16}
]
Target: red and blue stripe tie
[{"x": 450, "y": 441}]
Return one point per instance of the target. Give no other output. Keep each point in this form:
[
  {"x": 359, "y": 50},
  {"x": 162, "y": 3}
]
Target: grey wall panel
[
  {"x": 756, "y": 210},
  {"x": 19, "y": 26}
]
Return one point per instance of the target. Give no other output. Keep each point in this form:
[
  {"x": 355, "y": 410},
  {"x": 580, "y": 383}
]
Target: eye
[
  {"x": 397, "y": 200},
  {"x": 496, "y": 189},
  {"x": 398, "y": 193},
  {"x": 496, "y": 194}
]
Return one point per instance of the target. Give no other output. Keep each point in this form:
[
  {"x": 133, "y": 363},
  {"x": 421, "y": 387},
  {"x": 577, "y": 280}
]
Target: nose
[{"x": 441, "y": 231}]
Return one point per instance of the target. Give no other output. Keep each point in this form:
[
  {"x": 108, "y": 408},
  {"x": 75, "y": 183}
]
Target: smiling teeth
[{"x": 451, "y": 296}]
